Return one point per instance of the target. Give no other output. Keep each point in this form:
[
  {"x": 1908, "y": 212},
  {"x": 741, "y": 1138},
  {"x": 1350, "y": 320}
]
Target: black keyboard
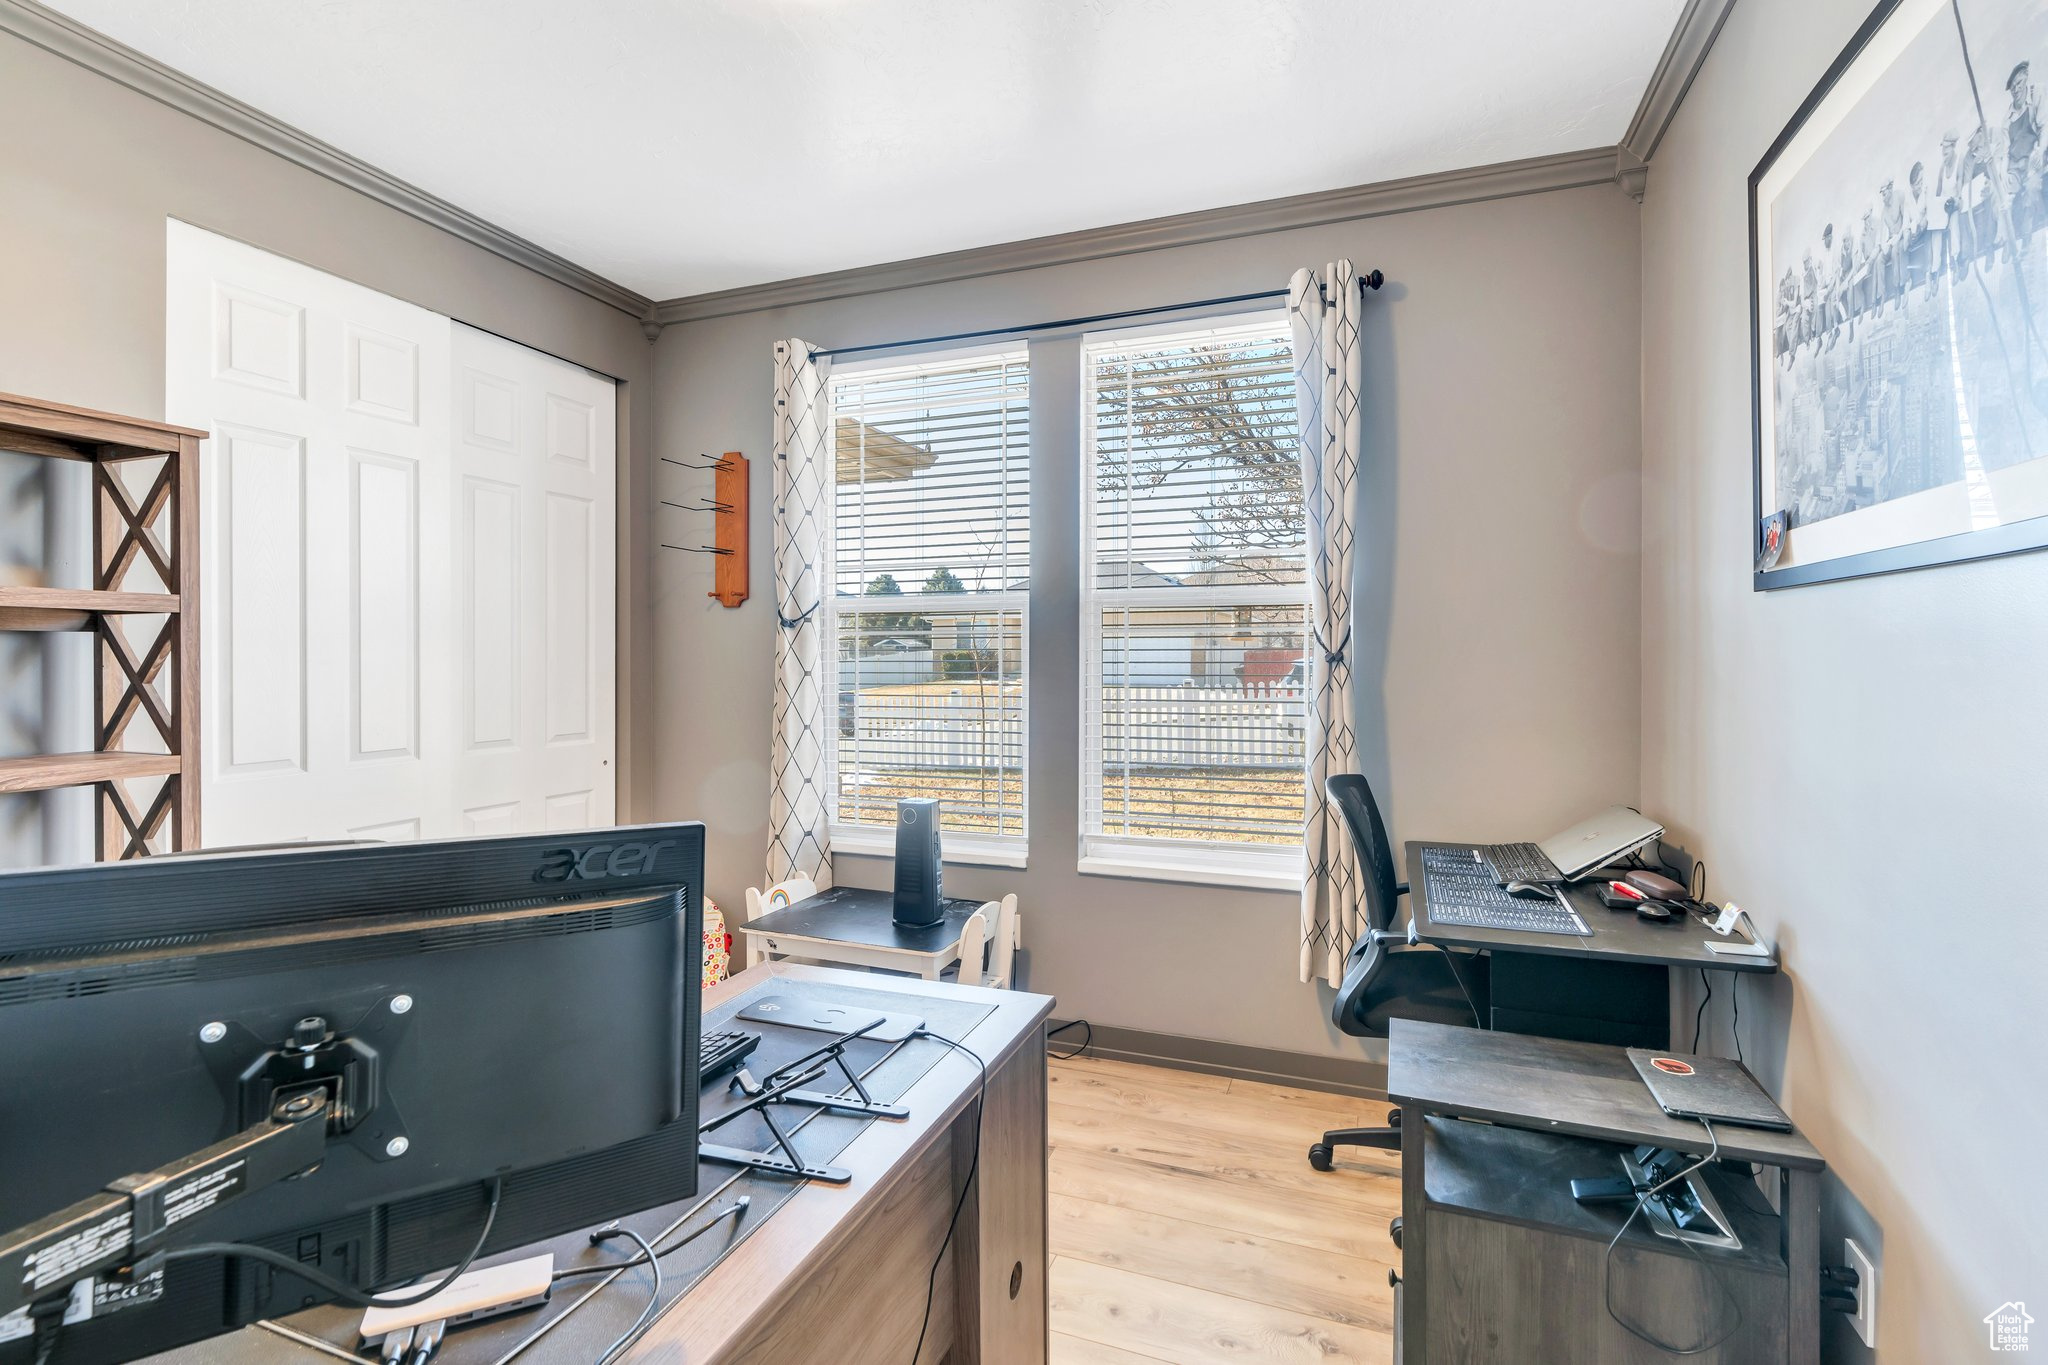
[
  {"x": 723, "y": 1051},
  {"x": 1520, "y": 863},
  {"x": 1459, "y": 890}
]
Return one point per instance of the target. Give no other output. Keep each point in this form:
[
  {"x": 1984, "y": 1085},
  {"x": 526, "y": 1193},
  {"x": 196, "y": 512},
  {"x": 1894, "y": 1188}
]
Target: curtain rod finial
[{"x": 1373, "y": 279}]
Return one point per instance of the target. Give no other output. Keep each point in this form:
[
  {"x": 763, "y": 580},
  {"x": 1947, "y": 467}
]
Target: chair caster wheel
[
  {"x": 1319, "y": 1156},
  {"x": 1394, "y": 1233},
  {"x": 1393, "y": 1118}
]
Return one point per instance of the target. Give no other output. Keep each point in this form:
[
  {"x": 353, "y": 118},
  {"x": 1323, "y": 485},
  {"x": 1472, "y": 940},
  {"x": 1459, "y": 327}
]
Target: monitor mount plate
[{"x": 346, "y": 1061}]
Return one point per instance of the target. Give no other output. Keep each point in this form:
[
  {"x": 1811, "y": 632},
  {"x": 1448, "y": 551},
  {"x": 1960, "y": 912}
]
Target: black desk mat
[{"x": 587, "y": 1314}]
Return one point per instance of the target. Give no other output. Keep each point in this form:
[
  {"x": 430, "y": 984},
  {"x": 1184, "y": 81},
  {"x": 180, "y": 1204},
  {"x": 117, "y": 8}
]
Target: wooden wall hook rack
[{"x": 728, "y": 510}]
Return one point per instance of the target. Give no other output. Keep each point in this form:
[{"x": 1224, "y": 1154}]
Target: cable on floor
[{"x": 1087, "y": 1039}]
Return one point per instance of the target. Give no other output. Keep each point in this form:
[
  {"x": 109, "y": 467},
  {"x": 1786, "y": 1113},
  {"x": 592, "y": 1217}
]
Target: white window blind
[
  {"x": 931, "y": 556},
  {"x": 1196, "y": 605}
]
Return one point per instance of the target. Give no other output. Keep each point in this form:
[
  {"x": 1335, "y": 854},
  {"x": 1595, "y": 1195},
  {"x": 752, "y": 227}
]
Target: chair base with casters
[
  {"x": 1386, "y": 1139},
  {"x": 1386, "y": 977}
]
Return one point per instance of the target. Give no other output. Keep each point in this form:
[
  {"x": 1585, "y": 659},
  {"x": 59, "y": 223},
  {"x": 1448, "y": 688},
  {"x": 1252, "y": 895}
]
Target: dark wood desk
[
  {"x": 857, "y": 927},
  {"x": 1618, "y": 935},
  {"x": 1581, "y": 1090},
  {"x": 1609, "y": 986},
  {"x": 1586, "y": 1089}
]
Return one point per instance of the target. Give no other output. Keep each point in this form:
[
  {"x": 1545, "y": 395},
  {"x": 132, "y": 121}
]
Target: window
[
  {"x": 931, "y": 557},
  {"x": 1194, "y": 686}
]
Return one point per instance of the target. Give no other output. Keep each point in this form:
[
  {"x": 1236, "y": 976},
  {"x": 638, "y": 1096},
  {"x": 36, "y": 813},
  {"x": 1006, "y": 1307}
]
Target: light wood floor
[{"x": 1187, "y": 1226}]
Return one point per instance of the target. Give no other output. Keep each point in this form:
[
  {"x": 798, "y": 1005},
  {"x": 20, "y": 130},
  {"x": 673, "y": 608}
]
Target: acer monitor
[{"x": 519, "y": 1010}]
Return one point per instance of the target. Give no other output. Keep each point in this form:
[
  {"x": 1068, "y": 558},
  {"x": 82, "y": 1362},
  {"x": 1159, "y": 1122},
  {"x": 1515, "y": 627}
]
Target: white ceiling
[{"x": 684, "y": 146}]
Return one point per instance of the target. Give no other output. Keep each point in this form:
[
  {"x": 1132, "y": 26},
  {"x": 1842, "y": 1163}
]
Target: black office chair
[{"x": 1386, "y": 975}]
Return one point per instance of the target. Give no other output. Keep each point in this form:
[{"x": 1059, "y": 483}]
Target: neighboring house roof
[
  {"x": 1114, "y": 573},
  {"x": 1110, "y": 573},
  {"x": 867, "y": 454}
]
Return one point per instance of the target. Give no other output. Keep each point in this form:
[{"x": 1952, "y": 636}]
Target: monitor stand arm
[{"x": 123, "y": 1228}]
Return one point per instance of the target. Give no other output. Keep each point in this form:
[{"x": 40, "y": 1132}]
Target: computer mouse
[
  {"x": 1656, "y": 912},
  {"x": 1530, "y": 891}
]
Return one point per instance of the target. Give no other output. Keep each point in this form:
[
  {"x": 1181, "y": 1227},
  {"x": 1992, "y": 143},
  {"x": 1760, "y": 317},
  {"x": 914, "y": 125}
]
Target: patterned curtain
[
  {"x": 799, "y": 840},
  {"x": 1323, "y": 307}
]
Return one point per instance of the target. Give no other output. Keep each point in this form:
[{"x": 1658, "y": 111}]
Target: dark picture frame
[{"x": 1838, "y": 485}]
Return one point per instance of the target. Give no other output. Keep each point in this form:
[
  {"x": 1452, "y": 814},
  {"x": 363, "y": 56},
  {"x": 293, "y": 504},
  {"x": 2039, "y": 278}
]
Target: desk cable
[
  {"x": 653, "y": 1263},
  {"x": 737, "y": 1209},
  {"x": 1696, "y": 891},
  {"x": 973, "y": 1169},
  {"x": 1643, "y": 1197},
  {"x": 342, "y": 1290},
  {"x": 1700, "y": 1014},
  {"x": 1450, "y": 960}
]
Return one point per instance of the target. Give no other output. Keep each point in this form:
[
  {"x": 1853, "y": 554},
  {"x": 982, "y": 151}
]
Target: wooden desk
[
  {"x": 856, "y": 927},
  {"x": 837, "y": 1273},
  {"x": 1552, "y": 1087}
]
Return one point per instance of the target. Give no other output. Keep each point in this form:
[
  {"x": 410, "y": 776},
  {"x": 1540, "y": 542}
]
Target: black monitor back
[{"x": 530, "y": 1003}]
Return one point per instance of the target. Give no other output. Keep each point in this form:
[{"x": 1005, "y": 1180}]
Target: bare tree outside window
[{"x": 1197, "y": 683}]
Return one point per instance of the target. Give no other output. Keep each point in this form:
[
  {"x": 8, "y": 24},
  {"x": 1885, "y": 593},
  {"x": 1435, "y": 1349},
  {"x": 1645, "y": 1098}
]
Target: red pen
[{"x": 1624, "y": 889}]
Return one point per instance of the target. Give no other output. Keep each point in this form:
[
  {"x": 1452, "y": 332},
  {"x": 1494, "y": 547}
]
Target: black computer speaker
[{"x": 918, "y": 868}]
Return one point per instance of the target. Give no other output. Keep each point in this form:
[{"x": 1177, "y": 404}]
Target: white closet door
[
  {"x": 377, "y": 659},
  {"x": 534, "y": 630},
  {"x": 325, "y": 565}
]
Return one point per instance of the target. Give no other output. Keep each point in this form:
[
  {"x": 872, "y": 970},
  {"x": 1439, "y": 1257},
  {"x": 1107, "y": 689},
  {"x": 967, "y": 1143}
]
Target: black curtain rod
[{"x": 1372, "y": 279}]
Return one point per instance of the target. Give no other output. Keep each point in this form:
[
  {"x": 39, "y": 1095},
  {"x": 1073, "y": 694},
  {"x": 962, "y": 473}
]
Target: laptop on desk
[
  {"x": 1712, "y": 1088},
  {"x": 1575, "y": 853}
]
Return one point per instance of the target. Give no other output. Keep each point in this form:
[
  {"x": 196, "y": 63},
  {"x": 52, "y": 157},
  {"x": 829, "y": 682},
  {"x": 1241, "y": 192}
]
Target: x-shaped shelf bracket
[{"x": 131, "y": 521}]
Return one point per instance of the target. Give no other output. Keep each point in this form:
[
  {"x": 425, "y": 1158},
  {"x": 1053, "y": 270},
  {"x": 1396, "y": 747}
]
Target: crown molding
[
  {"x": 73, "y": 41},
  {"x": 1698, "y": 25},
  {"x": 1697, "y": 28},
  {"x": 1570, "y": 170}
]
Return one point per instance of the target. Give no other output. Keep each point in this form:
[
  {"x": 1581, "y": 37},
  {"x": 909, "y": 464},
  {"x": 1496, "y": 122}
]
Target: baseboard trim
[{"x": 1336, "y": 1075}]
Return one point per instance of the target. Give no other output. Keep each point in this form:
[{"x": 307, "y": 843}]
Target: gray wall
[
  {"x": 1500, "y": 503},
  {"x": 89, "y": 171},
  {"x": 1861, "y": 764}
]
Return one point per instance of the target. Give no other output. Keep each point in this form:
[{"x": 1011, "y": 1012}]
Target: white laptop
[{"x": 1578, "y": 852}]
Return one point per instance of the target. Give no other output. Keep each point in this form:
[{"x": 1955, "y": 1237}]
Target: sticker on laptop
[{"x": 1671, "y": 1066}]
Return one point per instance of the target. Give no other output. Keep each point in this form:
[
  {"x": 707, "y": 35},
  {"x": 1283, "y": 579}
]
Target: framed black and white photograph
[{"x": 1899, "y": 296}]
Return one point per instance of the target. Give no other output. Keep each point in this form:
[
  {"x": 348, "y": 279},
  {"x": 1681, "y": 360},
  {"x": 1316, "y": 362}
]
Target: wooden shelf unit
[{"x": 142, "y": 639}]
